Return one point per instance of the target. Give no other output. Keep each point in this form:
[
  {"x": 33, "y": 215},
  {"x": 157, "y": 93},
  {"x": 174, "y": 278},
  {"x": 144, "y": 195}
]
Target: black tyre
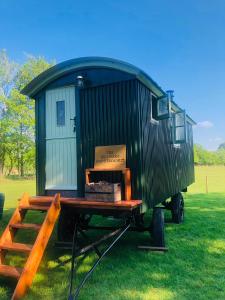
[
  {"x": 177, "y": 208},
  {"x": 166, "y": 204},
  {"x": 157, "y": 230}
]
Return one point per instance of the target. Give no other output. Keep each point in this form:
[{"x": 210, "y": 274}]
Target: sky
[{"x": 179, "y": 43}]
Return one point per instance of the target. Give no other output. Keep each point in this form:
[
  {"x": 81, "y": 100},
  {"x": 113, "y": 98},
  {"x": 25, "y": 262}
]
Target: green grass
[{"x": 194, "y": 267}]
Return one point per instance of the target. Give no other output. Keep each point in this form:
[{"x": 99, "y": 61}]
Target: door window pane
[{"x": 60, "y": 113}]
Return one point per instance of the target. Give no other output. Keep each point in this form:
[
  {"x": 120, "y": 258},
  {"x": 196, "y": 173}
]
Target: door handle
[{"x": 74, "y": 123}]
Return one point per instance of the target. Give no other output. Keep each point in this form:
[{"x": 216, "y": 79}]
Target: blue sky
[{"x": 180, "y": 44}]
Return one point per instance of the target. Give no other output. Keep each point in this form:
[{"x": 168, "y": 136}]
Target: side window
[
  {"x": 160, "y": 108},
  {"x": 163, "y": 108},
  {"x": 154, "y": 107},
  {"x": 60, "y": 113},
  {"x": 180, "y": 132}
]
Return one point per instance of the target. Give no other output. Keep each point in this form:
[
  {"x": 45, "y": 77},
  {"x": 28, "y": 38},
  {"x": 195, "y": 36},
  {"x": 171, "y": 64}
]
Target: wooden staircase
[{"x": 35, "y": 252}]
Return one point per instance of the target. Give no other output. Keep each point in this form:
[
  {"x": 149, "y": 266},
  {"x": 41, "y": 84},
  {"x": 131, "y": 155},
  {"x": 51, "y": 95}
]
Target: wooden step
[
  {"x": 9, "y": 271},
  {"x": 35, "y": 252},
  {"x": 33, "y": 207},
  {"x": 26, "y": 248},
  {"x": 36, "y": 227}
]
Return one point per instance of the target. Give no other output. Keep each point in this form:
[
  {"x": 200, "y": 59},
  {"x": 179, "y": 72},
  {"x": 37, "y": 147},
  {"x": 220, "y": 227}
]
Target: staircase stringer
[
  {"x": 8, "y": 234},
  {"x": 37, "y": 251}
]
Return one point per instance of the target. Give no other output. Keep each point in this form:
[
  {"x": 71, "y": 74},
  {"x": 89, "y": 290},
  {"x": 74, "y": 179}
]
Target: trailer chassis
[{"x": 115, "y": 235}]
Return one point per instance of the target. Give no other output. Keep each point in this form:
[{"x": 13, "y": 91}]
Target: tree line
[
  {"x": 17, "y": 150},
  {"x": 205, "y": 157}
]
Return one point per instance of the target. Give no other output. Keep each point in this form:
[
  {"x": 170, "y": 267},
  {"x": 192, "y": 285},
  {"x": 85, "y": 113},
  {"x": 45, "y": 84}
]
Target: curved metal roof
[{"x": 71, "y": 65}]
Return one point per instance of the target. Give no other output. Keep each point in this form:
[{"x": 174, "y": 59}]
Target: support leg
[
  {"x": 120, "y": 234},
  {"x": 95, "y": 248},
  {"x": 73, "y": 260}
]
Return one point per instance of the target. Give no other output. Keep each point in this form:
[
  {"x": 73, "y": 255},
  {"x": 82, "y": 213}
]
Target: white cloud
[
  {"x": 205, "y": 124},
  {"x": 216, "y": 139}
]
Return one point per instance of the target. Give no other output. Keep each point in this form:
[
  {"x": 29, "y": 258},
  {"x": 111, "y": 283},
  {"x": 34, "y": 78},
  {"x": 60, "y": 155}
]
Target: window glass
[
  {"x": 180, "y": 134},
  {"x": 179, "y": 119},
  {"x": 60, "y": 113},
  {"x": 154, "y": 107},
  {"x": 180, "y": 127},
  {"x": 163, "y": 107}
]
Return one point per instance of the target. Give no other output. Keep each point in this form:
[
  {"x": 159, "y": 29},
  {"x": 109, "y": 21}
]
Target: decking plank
[{"x": 82, "y": 203}]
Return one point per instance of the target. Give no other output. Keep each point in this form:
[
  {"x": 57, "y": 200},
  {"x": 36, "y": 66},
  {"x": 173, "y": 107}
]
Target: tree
[
  {"x": 20, "y": 119},
  {"x": 221, "y": 146},
  {"x": 17, "y": 113},
  {"x": 205, "y": 157},
  {"x": 31, "y": 69},
  {"x": 8, "y": 71},
  {"x": 3, "y": 133}
]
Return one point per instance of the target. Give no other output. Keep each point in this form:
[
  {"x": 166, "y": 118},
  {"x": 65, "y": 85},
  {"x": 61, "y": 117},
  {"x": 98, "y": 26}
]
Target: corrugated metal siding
[
  {"x": 109, "y": 117},
  {"x": 166, "y": 169},
  {"x": 120, "y": 113}
]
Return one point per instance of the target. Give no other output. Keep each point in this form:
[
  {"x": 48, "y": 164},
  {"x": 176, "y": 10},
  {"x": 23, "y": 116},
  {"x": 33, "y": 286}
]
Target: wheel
[
  {"x": 177, "y": 208},
  {"x": 166, "y": 204},
  {"x": 157, "y": 230}
]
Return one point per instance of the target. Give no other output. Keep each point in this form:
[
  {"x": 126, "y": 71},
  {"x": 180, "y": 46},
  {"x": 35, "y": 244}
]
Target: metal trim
[{"x": 71, "y": 65}]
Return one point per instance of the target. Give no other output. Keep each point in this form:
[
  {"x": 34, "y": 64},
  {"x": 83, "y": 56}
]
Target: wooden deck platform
[{"x": 81, "y": 203}]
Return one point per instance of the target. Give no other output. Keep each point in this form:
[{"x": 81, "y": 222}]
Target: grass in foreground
[{"x": 192, "y": 269}]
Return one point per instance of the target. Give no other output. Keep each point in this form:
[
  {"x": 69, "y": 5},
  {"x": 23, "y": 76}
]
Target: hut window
[
  {"x": 160, "y": 108},
  {"x": 154, "y": 108},
  {"x": 180, "y": 132},
  {"x": 163, "y": 108},
  {"x": 60, "y": 113}
]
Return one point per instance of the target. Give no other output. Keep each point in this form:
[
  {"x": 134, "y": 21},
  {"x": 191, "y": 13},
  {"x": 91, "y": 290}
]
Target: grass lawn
[{"x": 194, "y": 267}]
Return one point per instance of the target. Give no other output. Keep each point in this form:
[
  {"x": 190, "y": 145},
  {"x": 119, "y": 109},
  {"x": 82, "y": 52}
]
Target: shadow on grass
[{"x": 192, "y": 269}]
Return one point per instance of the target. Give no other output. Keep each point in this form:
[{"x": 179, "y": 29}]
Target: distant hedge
[{"x": 205, "y": 157}]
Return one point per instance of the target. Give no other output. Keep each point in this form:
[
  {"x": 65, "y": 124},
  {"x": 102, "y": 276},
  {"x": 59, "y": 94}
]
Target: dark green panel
[
  {"x": 109, "y": 117},
  {"x": 166, "y": 169},
  {"x": 40, "y": 143}
]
